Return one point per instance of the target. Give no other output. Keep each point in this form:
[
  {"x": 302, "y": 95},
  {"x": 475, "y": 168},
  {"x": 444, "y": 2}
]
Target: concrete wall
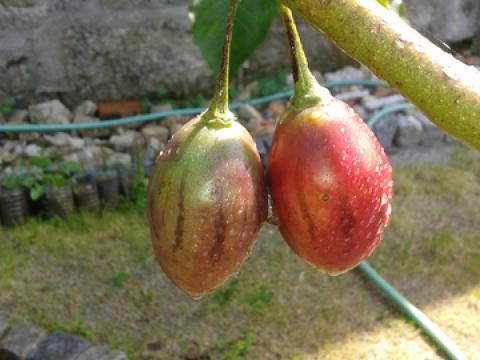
[{"x": 112, "y": 49}]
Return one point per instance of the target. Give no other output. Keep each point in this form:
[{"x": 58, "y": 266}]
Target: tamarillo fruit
[
  {"x": 330, "y": 180},
  {"x": 206, "y": 197}
]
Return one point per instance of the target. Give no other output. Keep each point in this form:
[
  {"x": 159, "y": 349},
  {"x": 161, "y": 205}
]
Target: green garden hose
[
  {"x": 43, "y": 128},
  {"x": 419, "y": 318}
]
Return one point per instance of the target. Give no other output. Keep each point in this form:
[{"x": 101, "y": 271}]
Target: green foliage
[
  {"x": 161, "y": 91},
  {"x": 117, "y": 280},
  {"x": 145, "y": 104},
  {"x": 239, "y": 348},
  {"x": 74, "y": 326},
  {"x": 272, "y": 85},
  {"x": 224, "y": 295},
  {"x": 53, "y": 175},
  {"x": 394, "y": 5},
  {"x": 49, "y": 175},
  {"x": 258, "y": 300},
  {"x": 384, "y": 3},
  {"x": 197, "y": 101},
  {"x": 250, "y": 29},
  {"x": 7, "y": 104},
  {"x": 34, "y": 183},
  {"x": 11, "y": 181}
]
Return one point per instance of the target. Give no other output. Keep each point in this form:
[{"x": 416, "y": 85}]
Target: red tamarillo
[
  {"x": 330, "y": 180},
  {"x": 206, "y": 197}
]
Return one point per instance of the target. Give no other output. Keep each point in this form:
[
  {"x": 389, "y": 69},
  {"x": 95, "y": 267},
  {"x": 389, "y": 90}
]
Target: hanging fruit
[
  {"x": 330, "y": 180},
  {"x": 206, "y": 198}
]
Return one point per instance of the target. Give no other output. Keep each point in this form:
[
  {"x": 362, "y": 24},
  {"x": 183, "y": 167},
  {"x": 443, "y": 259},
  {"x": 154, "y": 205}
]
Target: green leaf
[
  {"x": 384, "y": 3},
  {"x": 36, "y": 192},
  {"x": 250, "y": 30}
]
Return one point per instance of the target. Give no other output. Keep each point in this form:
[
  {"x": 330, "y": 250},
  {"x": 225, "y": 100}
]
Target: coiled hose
[{"x": 401, "y": 303}]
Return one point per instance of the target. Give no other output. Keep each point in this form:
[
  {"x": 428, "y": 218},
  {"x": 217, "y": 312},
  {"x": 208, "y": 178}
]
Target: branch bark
[{"x": 443, "y": 88}]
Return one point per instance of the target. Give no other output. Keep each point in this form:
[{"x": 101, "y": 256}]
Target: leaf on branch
[
  {"x": 252, "y": 22},
  {"x": 384, "y": 3}
]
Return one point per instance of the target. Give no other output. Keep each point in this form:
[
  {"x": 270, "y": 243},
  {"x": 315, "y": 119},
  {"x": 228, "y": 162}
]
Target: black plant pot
[
  {"x": 109, "y": 188},
  {"x": 59, "y": 201},
  {"x": 86, "y": 196},
  {"x": 13, "y": 206}
]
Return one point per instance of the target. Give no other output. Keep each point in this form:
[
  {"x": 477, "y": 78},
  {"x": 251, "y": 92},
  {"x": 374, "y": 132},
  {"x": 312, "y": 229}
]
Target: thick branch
[{"x": 445, "y": 89}]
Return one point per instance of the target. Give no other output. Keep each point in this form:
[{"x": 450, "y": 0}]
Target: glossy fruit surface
[
  {"x": 206, "y": 203},
  {"x": 331, "y": 185}
]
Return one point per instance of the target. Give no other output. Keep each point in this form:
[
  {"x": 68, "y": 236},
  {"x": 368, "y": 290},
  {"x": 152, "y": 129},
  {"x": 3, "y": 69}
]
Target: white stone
[
  {"x": 86, "y": 108},
  {"x": 158, "y": 132},
  {"x": 373, "y": 103},
  {"x": 409, "y": 131},
  {"x": 129, "y": 140},
  {"x": 33, "y": 150},
  {"x": 50, "y": 112}
]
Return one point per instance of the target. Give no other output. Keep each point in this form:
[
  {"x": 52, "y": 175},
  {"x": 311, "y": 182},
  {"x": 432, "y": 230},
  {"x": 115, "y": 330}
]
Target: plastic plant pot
[
  {"x": 108, "y": 188},
  {"x": 59, "y": 201},
  {"x": 126, "y": 179},
  {"x": 86, "y": 196},
  {"x": 13, "y": 206}
]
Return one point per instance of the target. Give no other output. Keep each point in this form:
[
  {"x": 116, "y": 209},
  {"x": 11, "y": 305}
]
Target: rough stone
[
  {"x": 451, "y": 21},
  {"x": 19, "y": 116},
  {"x": 157, "y": 108},
  {"x": 101, "y": 353},
  {"x": 346, "y": 73},
  {"x": 248, "y": 112},
  {"x": 50, "y": 112},
  {"x": 20, "y": 341},
  {"x": 128, "y": 141},
  {"x": 33, "y": 150},
  {"x": 352, "y": 95},
  {"x": 158, "y": 132},
  {"x": 122, "y": 159},
  {"x": 93, "y": 156},
  {"x": 431, "y": 134},
  {"x": 58, "y": 139},
  {"x": 385, "y": 131},
  {"x": 85, "y": 109},
  {"x": 59, "y": 346},
  {"x": 373, "y": 103},
  {"x": 409, "y": 131}
]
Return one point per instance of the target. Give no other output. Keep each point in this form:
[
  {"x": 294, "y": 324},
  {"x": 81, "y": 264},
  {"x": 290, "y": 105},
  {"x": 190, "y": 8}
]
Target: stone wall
[
  {"x": 446, "y": 20},
  {"x": 112, "y": 49}
]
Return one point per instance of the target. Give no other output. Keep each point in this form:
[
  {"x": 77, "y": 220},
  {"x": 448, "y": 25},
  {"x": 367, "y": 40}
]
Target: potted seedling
[
  {"x": 85, "y": 192},
  {"x": 58, "y": 197},
  {"x": 13, "y": 200}
]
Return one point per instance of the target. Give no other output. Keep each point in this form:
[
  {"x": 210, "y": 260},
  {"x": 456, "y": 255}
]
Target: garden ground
[{"x": 96, "y": 276}]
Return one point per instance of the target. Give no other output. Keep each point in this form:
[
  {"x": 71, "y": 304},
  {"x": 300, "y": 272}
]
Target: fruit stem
[
  {"x": 218, "y": 111},
  {"x": 308, "y": 91}
]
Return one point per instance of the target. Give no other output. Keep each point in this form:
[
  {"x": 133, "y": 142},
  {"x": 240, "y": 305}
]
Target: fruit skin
[
  {"x": 206, "y": 204},
  {"x": 331, "y": 185}
]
